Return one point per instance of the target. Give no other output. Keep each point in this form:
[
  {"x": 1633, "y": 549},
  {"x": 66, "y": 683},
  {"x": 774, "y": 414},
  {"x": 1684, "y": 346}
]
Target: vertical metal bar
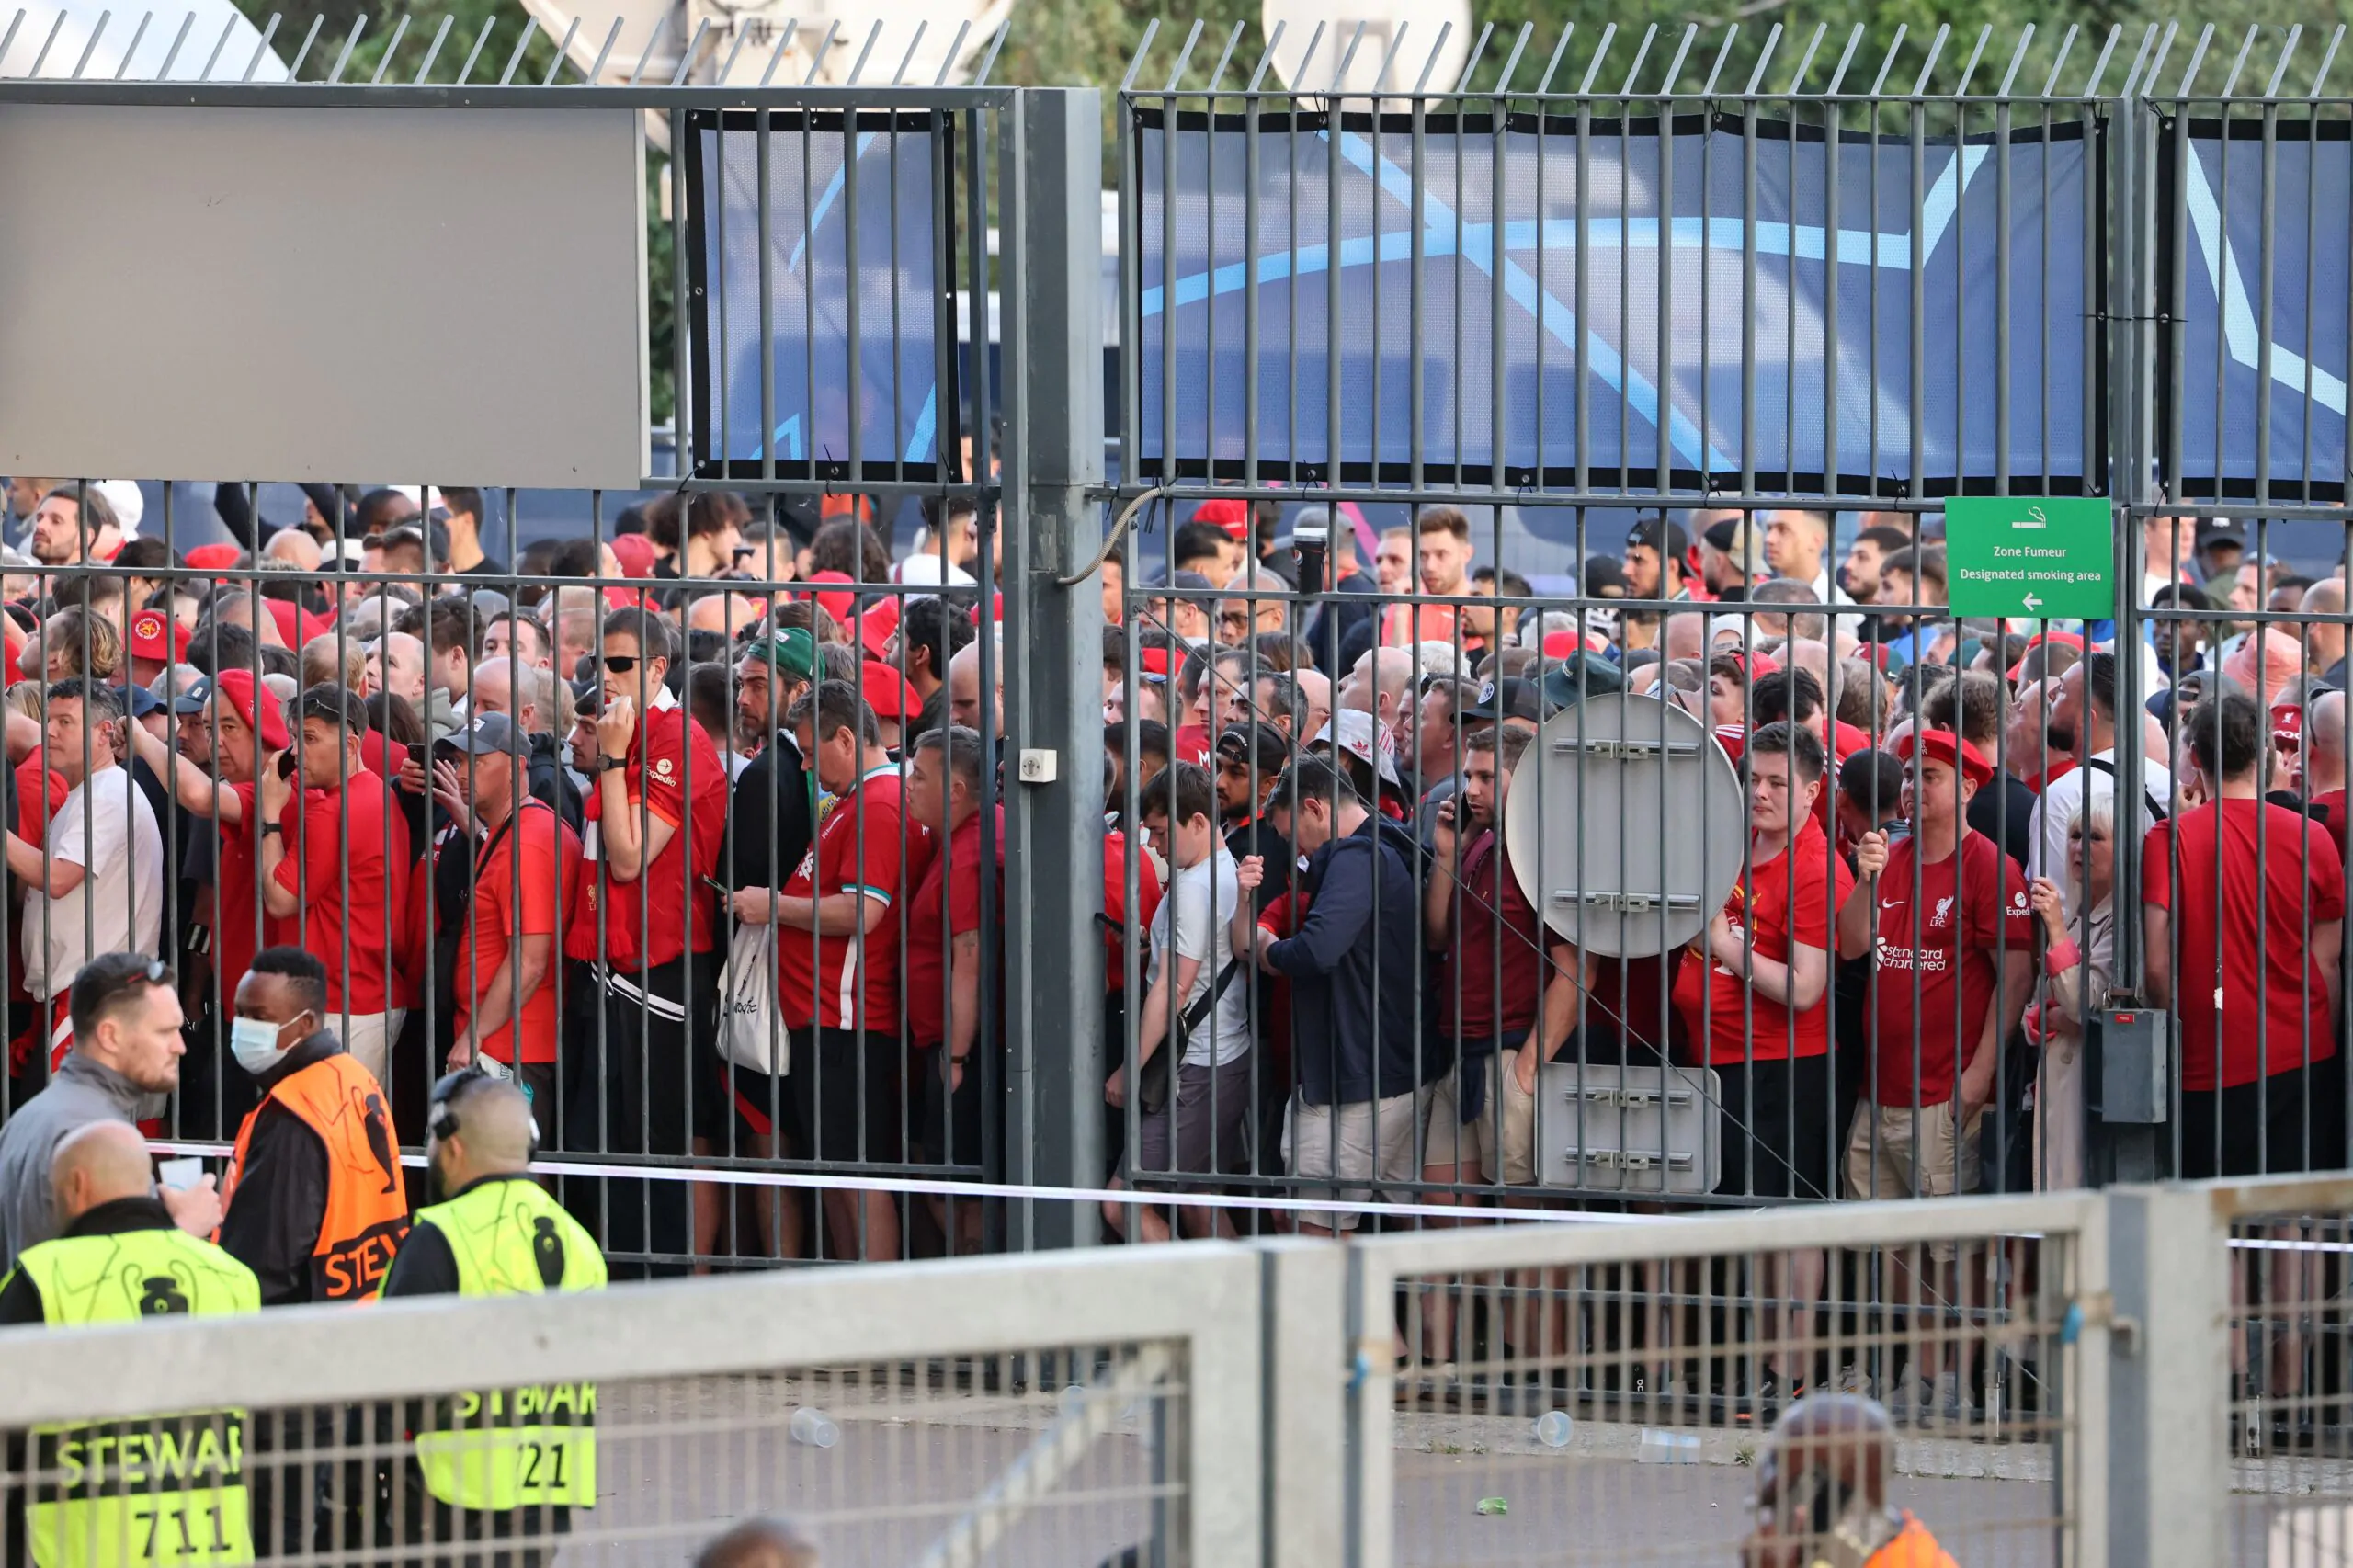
[
  {"x": 1252, "y": 243},
  {"x": 2266, "y": 287},
  {"x": 763, "y": 151},
  {"x": 2166, "y": 1431},
  {"x": 1665, "y": 380},
  {"x": 682, "y": 313},
  {"x": 1054, "y": 832}
]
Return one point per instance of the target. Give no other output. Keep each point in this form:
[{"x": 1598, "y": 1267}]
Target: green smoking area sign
[{"x": 2042, "y": 557}]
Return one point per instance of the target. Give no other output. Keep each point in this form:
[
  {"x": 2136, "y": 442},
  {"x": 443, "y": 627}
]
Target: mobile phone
[
  {"x": 180, "y": 1175},
  {"x": 715, "y": 885},
  {"x": 416, "y": 756},
  {"x": 285, "y": 765}
]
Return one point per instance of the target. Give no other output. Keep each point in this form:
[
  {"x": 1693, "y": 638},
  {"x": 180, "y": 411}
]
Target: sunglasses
[{"x": 620, "y": 665}]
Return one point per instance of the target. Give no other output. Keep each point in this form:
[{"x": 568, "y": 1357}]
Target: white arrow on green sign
[{"x": 2044, "y": 557}]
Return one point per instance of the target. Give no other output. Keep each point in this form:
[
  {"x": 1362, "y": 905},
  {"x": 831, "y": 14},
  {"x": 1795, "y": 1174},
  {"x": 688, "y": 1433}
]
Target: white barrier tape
[
  {"x": 933, "y": 1187},
  {"x": 2267, "y": 1244}
]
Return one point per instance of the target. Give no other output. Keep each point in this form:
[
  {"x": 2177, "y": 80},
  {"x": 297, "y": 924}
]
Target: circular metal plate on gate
[{"x": 1626, "y": 826}]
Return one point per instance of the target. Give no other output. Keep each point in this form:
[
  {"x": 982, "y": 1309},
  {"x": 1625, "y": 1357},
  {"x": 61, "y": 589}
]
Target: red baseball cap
[
  {"x": 1153, "y": 662},
  {"x": 2064, "y": 638},
  {"x": 2286, "y": 724},
  {"x": 1756, "y": 666},
  {"x": 1232, "y": 515},
  {"x": 836, "y": 604},
  {"x": 1943, "y": 745},
  {"x": 155, "y": 635},
  {"x": 268, "y": 722},
  {"x": 875, "y": 627},
  {"x": 635, "y": 553},
  {"x": 889, "y": 693},
  {"x": 214, "y": 557}
]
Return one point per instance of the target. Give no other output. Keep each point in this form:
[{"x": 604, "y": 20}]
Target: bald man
[
  {"x": 1814, "y": 657},
  {"x": 295, "y": 548},
  {"x": 528, "y": 695},
  {"x": 964, "y": 690},
  {"x": 399, "y": 667},
  {"x": 1314, "y": 699},
  {"x": 119, "y": 1254},
  {"x": 492, "y": 1230},
  {"x": 2320, "y": 763},
  {"x": 1379, "y": 684},
  {"x": 483, "y": 1235},
  {"x": 727, "y": 614},
  {"x": 1822, "y": 1492},
  {"x": 2325, "y": 639}
]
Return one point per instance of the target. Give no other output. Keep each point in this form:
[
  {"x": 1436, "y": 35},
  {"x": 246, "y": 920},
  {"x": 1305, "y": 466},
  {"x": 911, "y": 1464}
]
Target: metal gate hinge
[{"x": 2098, "y": 1309}]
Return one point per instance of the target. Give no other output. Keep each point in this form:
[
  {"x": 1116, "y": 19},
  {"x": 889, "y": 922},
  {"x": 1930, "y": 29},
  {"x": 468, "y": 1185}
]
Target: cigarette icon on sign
[{"x": 2033, "y": 519}]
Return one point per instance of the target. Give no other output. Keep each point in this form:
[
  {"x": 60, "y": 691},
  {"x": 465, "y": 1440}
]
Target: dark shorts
[
  {"x": 846, "y": 1093},
  {"x": 2290, "y": 1121},
  {"x": 662, "y": 1072},
  {"x": 538, "y": 1082},
  {"x": 1199, "y": 1131},
  {"x": 948, "y": 1125},
  {"x": 1775, "y": 1117}
]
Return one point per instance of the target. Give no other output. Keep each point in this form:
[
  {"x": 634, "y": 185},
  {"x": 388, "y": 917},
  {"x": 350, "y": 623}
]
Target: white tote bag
[{"x": 751, "y": 1029}]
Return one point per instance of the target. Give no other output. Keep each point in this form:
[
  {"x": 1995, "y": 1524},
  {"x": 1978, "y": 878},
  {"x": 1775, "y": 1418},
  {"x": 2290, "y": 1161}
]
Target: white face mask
[{"x": 254, "y": 1042}]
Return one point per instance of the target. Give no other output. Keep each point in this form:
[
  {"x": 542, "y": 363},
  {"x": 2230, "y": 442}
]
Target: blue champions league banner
[
  {"x": 889, "y": 175},
  {"x": 1582, "y": 359},
  {"x": 2215, "y": 250}
]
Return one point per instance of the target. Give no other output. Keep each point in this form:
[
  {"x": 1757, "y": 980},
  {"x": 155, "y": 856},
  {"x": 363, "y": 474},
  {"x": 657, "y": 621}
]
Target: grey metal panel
[
  {"x": 1632, "y": 1129},
  {"x": 326, "y": 294},
  {"x": 1635, "y": 836}
]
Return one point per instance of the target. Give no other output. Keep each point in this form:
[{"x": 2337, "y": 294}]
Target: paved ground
[
  {"x": 679, "y": 1461},
  {"x": 906, "y": 1464}
]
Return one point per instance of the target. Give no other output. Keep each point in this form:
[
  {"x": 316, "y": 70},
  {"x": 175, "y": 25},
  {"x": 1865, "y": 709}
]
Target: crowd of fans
[{"x": 713, "y": 870}]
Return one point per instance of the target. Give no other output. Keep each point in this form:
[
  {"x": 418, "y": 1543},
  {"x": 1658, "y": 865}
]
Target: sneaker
[
  {"x": 1764, "y": 1401},
  {"x": 1911, "y": 1403}
]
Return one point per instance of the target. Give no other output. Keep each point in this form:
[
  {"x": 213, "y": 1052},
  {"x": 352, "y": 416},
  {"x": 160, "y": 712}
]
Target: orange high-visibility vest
[
  {"x": 1914, "y": 1547},
  {"x": 367, "y": 1211}
]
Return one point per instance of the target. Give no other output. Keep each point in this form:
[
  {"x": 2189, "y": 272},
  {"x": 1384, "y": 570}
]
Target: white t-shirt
[
  {"x": 2064, "y": 796},
  {"x": 1197, "y": 918},
  {"x": 107, "y": 828}
]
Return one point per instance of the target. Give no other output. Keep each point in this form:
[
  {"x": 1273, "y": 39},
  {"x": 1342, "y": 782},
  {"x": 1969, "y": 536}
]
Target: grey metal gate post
[
  {"x": 1051, "y": 210},
  {"x": 2125, "y": 1151},
  {"x": 2168, "y": 1477}
]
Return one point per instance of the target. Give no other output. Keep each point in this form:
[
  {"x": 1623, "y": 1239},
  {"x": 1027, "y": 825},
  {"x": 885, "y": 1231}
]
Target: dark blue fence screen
[
  {"x": 868, "y": 201},
  {"x": 1583, "y": 359},
  {"x": 2223, "y": 251}
]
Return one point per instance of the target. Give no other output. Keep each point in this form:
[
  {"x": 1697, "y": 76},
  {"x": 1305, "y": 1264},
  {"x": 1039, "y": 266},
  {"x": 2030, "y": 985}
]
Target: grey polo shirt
[{"x": 82, "y": 1092}]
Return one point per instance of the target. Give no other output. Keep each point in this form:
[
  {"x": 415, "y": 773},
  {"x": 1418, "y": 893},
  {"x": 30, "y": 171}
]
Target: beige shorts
[
  {"x": 1887, "y": 1158},
  {"x": 1509, "y": 1119},
  {"x": 369, "y": 1041},
  {"x": 1371, "y": 1143}
]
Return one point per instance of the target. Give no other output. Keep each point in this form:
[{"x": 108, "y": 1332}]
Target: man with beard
[{"x": 1250, "y": 757}]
